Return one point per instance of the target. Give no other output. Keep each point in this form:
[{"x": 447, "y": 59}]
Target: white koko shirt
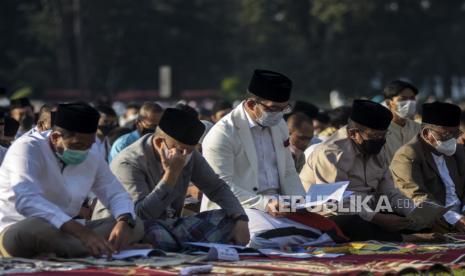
[
  {"x": 34, "y": 183},
  {"x": 268, "y": 175}
]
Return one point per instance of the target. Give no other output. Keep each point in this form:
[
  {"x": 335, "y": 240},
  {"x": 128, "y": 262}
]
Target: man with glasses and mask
[
  {"x": 44, "y": 181},
  {"x": 400, "y": 99},
  {"x": 148, "y": 119},
  {"x": 249, "y": 148},
  {"x": 431, "y": 166},
  {"x": 355, "y": 153},
  {"x": 157, "y": 169}
]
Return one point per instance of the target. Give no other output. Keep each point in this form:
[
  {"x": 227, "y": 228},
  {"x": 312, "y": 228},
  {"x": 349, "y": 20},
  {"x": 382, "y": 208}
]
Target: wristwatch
[
  {"x": 242, "y": 218},
  {"x": 128, "y": 219}
]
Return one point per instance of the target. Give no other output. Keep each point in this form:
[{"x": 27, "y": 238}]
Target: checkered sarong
[{"x": 170, "y": 234}]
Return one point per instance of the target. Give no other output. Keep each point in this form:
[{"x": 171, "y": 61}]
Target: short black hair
[
  {"x": 221, "y": 105},
  {"x": 296, "y": 120},
  {"x": 339, "y": 116},
  {"x": 394, "y": 88},
  {"x": 322, "y": 117},
  {"x": 107, "y": 110},
  {"x": 306, "y": 108}
]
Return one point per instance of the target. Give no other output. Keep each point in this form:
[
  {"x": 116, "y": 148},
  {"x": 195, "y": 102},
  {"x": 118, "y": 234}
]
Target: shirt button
[{"x": 255, "y": 189}]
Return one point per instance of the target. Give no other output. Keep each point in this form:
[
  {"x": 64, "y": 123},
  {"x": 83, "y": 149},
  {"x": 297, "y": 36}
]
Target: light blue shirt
[{"x": 123, "y": 142}]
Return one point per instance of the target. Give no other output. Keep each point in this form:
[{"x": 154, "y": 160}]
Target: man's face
[
  {"x": 106, "y": 123},
  {"x": 80, "y": 141},
  {"x": 440, "y": 133},
  {"x": 220, "y": 114},
  {"x": 363, "y": 134},
  {"x": 149, "y": 121},
  {"x": 130, "y": 112},
  {"x": 300, "y": 137},
  {"x": 404, "y": 95},
  {"x": 23, "y": 115},
  {"x": 259, "y": 107}
]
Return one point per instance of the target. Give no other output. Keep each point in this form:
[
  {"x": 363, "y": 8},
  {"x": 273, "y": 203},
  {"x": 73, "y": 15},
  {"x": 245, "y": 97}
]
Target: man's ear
[
  {"x": 351, "y": 133},
  {"x": 54, "y": 136},
  {"x": 157, "y": 141},
  {"x": 250, "y": 103}
]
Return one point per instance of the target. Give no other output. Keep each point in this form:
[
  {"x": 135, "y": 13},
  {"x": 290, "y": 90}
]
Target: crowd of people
[{"x": 77, "y": 180}]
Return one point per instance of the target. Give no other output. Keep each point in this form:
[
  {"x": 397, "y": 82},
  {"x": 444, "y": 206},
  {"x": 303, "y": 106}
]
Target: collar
[{"x": 251, "y": 122}]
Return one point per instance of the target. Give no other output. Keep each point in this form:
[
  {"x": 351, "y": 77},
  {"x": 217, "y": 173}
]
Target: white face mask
[
  {"x": 269, "y": 119},
  {"x": 406, "y": 109},
  {"x": 448, "y": 147}
]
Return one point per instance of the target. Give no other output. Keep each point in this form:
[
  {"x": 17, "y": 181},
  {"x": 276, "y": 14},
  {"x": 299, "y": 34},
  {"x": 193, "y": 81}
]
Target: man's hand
[
  {"x": 273, "y": 209},
  {"x": 391, "y": 222},
  {"x": 95, "y": 244},
  {"x": 460, "y": 225},
  {"x": 172, "y": 164},
  {"x": 241, "y": 233},
  {"x": 119, "y": 237}
]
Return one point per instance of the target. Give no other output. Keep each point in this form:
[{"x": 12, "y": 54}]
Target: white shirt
[
  {"x": 3, "y": 151},
  {"x": 102, "y": 147},
  {"x": 453, "y": 215},
  {"x": 33, "y": 183},
  {"x": 268, "y": 175},
  {"x": 311, "y": 147}
]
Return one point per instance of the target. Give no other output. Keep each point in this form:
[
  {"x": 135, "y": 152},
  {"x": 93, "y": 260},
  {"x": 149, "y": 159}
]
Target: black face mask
[
  {"x": 105, "y": 129},
  {"x": 372, "y": 146},
  {"x": 144, "y": 131}
]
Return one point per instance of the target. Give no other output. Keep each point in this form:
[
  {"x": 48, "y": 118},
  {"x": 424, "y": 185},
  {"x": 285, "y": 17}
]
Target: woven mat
[{"x": 361, "y": 258}]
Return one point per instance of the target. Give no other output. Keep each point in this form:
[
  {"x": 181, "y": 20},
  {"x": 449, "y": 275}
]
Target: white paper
[
  {"x": 279, "y": 253},
  {"x": 199, "y": 269},
  {"x": 319, "y": 194},
  {"x": 124, "y": 254},
  {"x": 223, "y": 254},
  {"x": 216, "y": 245}
]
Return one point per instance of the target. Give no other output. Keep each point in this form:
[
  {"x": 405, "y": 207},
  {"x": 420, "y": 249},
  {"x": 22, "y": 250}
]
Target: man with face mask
[
  {"x": 107, "y": 122},
  {"x": 148, "y": 119},
  {"x": 44, "y": 181},
  {"x": 21, "y": 110},
  {"x": 157, "y": 169},
  {"x": 431, "y": 166},
  {"x": 355, "y": 153},
  {"x": 249, "y": 148},
  {"x": 400, "y": 99}
]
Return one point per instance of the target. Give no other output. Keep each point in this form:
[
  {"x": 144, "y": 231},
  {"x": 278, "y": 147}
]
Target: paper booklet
[
  {"x": 137, "y": 253},
  {"x": 319, "y": 194}
]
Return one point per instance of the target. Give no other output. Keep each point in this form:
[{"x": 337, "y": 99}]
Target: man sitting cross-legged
[
  {"x": 157, "y": 169},
  {"x": 44, "y": 182}
]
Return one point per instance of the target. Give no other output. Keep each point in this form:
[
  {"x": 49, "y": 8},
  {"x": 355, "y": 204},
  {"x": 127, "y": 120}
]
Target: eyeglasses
[
  {"x": 447, "y": 135},
  {"x": 275, "y": 109},
  {"x": 372, "y": 136}
]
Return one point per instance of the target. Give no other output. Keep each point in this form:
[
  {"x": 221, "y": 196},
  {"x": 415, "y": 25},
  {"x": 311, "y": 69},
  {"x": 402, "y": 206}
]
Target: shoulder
[
  {"x": 411, "y": 150},
  {"x": 131, "y": 155},
  {"x": 223, "y": 128}
]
